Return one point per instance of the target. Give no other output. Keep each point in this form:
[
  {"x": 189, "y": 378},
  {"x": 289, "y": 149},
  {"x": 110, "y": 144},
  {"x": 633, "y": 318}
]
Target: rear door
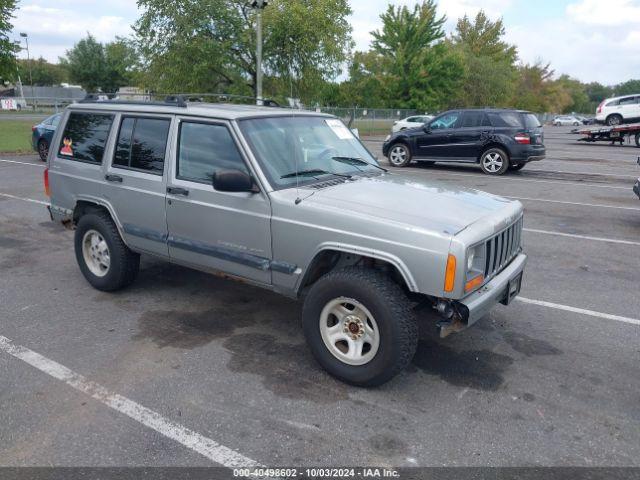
[
  {"x": 136, "y": 180},
  {"x": 224, "y": 231},
  {"x": 629, "y": 107},
  {"x": 435, "y": 142},
  {"x": 468, "y": 139}
]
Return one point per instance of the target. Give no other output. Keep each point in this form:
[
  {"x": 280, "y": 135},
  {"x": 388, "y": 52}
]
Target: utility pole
[
  {"x": 259, "y": 5},
  {"x": 33, "y": 96}
]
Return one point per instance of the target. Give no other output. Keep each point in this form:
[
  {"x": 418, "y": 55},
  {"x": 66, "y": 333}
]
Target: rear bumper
[
  {"x": 530, "y": 153},
  {"x": 477, "y": 305}
]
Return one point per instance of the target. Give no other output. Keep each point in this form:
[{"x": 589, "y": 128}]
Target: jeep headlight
[{"x": 475, "y": 267}]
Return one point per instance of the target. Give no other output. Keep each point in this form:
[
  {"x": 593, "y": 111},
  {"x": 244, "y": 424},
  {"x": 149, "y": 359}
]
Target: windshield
[{"x": 304, "y": 149}]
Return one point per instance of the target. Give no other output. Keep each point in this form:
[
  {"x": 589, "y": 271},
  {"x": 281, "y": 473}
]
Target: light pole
[
  {"x": 19, "y": 47},
  {"x": 33, "y": 96},
  {"x": 259, "y": 5}
]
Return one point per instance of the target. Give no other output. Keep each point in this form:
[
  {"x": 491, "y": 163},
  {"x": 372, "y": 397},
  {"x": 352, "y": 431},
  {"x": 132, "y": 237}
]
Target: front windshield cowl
[{"x": 296, "y": 150}]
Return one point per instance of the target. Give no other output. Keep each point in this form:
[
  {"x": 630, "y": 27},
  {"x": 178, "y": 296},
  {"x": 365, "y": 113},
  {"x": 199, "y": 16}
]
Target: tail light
[
  {"x": 47, "y": 192},
  {"x": 523, "y": 138},
  {"x": 33, "y": 128},
  {"x": 600, "y": 107}
]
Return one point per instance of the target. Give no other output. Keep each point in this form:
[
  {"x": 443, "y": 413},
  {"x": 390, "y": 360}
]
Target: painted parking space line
[
  {"x": 582, "y": 237},
  {"x": 24, "y": 199},
  {"x": 563, "y": 202},
  {"x": 24, "y": 163},
  {"x": 582, "y": 311},
  {"x": 192, "y": 440}
]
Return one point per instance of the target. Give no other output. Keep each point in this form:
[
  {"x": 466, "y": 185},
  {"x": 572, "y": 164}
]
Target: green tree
[
  {"x": 416, "y": 68},
  {"x": 597, "y": 92},
  {"x": 8, "y": 49},
  {"x": 629, "y": 87},
  {"x": 43, "y": 72},
  {"x": 305, "y": 44},
  {"x": 489, "y": 62},
  {"x": 576, "y": 90},
  {"x": 98, "y": 67}
]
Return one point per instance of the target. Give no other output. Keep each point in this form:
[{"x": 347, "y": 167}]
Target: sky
[{"x": 591, "y": 40}]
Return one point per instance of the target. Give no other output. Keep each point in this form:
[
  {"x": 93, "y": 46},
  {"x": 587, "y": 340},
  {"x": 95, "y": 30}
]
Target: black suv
[{"x": 498, "y": 140}]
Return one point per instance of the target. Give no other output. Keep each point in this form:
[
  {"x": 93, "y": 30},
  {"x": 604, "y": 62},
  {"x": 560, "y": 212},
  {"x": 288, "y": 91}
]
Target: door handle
[
  {"x": 113, "y": 178},
  {"x": 178, "y": 191}
]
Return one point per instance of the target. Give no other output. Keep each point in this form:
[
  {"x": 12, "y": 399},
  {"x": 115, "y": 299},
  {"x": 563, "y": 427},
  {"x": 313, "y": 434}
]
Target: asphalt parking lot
[{"x": 185, "y": 368}]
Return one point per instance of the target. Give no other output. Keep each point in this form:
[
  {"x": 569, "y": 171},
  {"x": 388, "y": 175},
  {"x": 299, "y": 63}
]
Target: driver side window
[{"x": 446, "y": 121}]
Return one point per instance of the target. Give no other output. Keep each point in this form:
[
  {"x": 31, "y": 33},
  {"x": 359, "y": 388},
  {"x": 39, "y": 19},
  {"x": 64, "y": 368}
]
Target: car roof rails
[{"x": 177, "y": 100}]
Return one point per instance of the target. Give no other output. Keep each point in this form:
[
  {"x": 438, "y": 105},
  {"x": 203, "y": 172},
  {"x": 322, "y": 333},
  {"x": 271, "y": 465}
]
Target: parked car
[
  {"x": 42, "y": 134},
  {"x": 566, "y": 120},
  {"x": 586, "y": 120},
  {"x": 410, "y": 122},
  {"x": 618, "y": 110},
  {"x": 289, "y": 201},
  {"x": 498, "y": 140}
]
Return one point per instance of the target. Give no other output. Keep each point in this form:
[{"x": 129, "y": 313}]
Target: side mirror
[
  {"x": 426, "y": 128},
  {"x": 233, "y": 181}
]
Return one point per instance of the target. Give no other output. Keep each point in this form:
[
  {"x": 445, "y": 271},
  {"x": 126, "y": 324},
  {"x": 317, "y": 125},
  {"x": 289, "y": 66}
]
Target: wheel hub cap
[{"x": 96, "y": 253}]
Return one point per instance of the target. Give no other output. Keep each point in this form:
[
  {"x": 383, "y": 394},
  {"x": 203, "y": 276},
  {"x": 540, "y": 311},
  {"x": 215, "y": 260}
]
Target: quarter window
[
  {"x": 85, "y": 136},
  {"x": 203, "y": 149},
  {"x": 142, "y": 143}
]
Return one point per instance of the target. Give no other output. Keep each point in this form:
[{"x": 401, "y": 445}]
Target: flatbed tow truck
[{"x": 613, "y": 134}]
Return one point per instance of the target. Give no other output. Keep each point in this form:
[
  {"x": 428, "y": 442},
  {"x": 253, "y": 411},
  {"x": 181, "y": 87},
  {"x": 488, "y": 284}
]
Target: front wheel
[
  {"x": 399, "y": 155},
  {"x": 494, "y": 161},
  {"x": 360, "y": 326}
]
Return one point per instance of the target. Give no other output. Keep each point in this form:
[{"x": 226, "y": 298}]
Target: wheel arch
[
  {"x": 493, "y": 144},
  {"x": 329, "y": 257},
  {"x": 86, "y": 205}
]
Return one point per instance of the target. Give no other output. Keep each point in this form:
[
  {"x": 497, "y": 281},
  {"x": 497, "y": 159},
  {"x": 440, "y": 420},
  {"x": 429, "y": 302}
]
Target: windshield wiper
[
  {"x": 355, "y": 161},
  {"x": 312, "y": 172}
]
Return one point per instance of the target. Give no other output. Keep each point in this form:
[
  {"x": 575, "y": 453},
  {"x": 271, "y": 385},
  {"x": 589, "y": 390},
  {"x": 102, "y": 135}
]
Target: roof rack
[{"x": 177, "y": 100}]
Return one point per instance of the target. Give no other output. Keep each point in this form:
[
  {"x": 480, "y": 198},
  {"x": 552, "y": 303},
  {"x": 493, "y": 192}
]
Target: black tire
[
  {"x": 517, "y": 167},
  {"x": 492, "y": 153},
  {"x": 393, "y": 313},
  {"x": 399, "y": 155},
  {"x": 637, "y": 139},
  {"x": 43, "y": 149},
  {"x": 124, "y": 263},
  {"x": 613, "y": 120}
]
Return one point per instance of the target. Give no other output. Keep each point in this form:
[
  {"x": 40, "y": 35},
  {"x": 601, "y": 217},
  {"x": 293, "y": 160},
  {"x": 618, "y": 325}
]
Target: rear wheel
[
  {"x": 637, "y": 139},
  {"x": 104, "y": 259},
  {"x": 43, "y": 149},
  {"x": 613, "y": 120},
  {"x": 399, "y": 155},
  {"x": 360, "y": 326},
  {"x": 494, "y": 161}
]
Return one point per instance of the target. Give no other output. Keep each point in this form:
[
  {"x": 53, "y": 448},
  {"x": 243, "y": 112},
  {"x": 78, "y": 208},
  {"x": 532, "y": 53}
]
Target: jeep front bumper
[{"x": 503, "y": 288}]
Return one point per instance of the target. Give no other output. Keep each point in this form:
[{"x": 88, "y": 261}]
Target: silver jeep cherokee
[{"x": 290, "y": 201}]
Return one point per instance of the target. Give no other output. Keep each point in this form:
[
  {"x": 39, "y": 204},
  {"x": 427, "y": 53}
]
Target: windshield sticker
[
  {"x": 66, "y": 150},
  {"x": 339, "y": 128}
]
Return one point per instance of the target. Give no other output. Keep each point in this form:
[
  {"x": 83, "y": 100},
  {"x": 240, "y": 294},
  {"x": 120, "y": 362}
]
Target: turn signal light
[
  {"x": 473, "y": 283},
  {"x": 450, "y": 274},
  {"x": 47, "y": 192}
]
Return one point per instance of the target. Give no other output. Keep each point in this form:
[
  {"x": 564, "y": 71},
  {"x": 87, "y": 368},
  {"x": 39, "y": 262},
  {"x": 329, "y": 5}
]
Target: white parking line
[
  {"x": 595, "y": 205},
  {"x": 24, "y": 199},
  {"x": 190, "y": 439},
  {"x": 24, "y": 163},
  {"x": 582, "y": 237},
  {"x": 582, "y": 311},
  {"x": 513, "y": 179}
]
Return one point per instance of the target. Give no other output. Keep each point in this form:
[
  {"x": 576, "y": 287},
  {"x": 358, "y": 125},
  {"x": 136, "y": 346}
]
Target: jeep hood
[{"x": 428, "y": 205}]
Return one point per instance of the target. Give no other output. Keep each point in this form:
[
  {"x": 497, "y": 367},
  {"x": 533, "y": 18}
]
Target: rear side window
[
  {"x": 475, "y": 119},
  {"x": 205, "y": 148},
  {"x": 628, "y": 101},
  {"x": 531, "y": 121},
  {"x": 142, "y": 143},
  {"x": 505, "y": 119},
  {"x": 85, "y": 136}
]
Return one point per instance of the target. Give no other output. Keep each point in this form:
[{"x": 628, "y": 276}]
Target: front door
[
  {"x": 434, "y": 141},
  {"x": 136, "y": 180},
  {"x": 227, "y": 232}
]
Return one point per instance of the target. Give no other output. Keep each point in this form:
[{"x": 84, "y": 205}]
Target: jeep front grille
[{"x": 502, "y": 248}]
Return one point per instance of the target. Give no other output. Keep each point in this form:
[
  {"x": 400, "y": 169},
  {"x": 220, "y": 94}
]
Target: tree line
[{"x": 208, "y": 46}]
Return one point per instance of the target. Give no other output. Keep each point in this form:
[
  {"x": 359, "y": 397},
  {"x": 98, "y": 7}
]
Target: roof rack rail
[{"x": 178, "y": 100}]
